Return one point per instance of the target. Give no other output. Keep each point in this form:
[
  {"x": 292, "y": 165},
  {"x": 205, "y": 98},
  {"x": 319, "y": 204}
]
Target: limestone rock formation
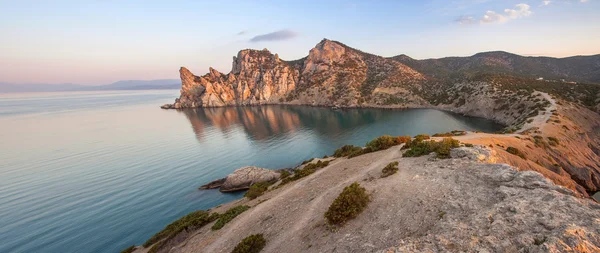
[
  {"x": 243, "y": 178},
  {"x": 257, "y": 77}
]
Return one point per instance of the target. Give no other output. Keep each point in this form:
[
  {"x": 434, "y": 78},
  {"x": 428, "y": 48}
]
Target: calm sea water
[{"x": 99, "y": 171}]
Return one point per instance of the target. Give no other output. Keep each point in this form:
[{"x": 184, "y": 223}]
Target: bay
[{"x": 100, "y": 171}]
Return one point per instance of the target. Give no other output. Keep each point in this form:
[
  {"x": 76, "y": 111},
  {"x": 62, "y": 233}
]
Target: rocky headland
[{"x": 526, "y": 189}]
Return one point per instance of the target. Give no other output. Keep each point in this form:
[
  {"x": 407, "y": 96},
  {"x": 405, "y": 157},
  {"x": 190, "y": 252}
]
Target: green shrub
[
  {"x": 377, "y": 144},
  {"x": 284, "y": 174},
  {"x": 251, "y": 244},
  {"x": 553, "y": 141},
  {"x": 422, "y": 137},
  {"x": 193, "y": 220},
  {"x": 468, "y": 145},
  {"x": 307, "y": 161},
  {"x": 442, "y": 148},
  {"x": 516, "y": 152},
  {"x": 347, "y": 150},
  {"x": 305, "y": 171},
  {"x": 129, "y": 249},
  {"x": 228, "y": 216},
  {"x": 348, "y": 205},
  {"x": 381, "y": 143},
  {"x": 450, "y": 134},
  {"x": 390, "y": 169},
  {"x": 257, "y": 190}
]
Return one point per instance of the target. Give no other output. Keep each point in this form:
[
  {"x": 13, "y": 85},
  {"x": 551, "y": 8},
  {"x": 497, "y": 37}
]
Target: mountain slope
[{"x": 576, "y": 68}]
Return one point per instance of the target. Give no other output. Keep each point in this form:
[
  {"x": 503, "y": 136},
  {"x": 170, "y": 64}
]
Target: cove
[{"x": 110, "y": 169}]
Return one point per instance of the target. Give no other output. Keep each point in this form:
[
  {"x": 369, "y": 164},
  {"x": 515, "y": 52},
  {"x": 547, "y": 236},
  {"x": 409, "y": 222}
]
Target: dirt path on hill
[{"x": 540, "y": 120}]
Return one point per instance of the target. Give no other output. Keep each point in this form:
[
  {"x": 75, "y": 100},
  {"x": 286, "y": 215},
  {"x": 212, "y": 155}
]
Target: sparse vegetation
[
  {"x": 553, "y": 141},
  {"x": 390, "y": 169},
  {"x": 129, "y": 249},
  {"x": 307, "y": 161},
  {"x": 228, "y": 216},
  {"x": 284, "y": 174},
  {"x": 377, "y": 144},
  {"x": 305, "y": 171},
  {"x": 347, "y": 150},
  {"x": 257, "y": 190},
  {"x": 468, "y": 145},
  {"x": 348, "y": 205},
  {"x": 193, "y": 220},
  {"x": 450, "y": 134},
  {"x": 251, "y": 244},
  {"x": 540, "y": 142},
  {"x": 421, "y": 148},
  {"x": 516, "y": 152}
]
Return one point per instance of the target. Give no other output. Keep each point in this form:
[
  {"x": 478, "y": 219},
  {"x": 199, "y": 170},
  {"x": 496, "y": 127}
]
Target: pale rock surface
[
  {"x": 243, "y": 178},
  {"x": 475, "y": 153}
]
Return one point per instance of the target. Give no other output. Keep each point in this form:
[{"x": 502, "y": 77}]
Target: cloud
[
  {"x": 490, "y": 17},
  {"x": 274, "y": 36},
  {"x": 466, "y": 20},
  {"x": 546, "y": 3},
  {"x": 241, "y": 33}
]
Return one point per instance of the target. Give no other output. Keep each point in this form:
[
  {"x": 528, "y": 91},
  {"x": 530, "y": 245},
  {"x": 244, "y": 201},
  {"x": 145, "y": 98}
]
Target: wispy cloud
[
  {"x": 274, "y": 36},
  {"x": 490, "y": 17},
  {"x": 466, "y": 20},
  {"x": 241, "y": 33},
  {"x": 546, "y": 3}
]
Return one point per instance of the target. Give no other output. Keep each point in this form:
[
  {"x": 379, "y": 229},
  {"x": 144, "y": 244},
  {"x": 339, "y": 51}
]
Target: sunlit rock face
[
  {"x": 332, "y": 74},
  {"x": 257, "y": 77}
]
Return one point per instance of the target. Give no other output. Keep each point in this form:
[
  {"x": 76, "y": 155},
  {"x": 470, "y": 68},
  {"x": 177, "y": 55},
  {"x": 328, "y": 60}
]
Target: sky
[{"x": 103, "y": 41}]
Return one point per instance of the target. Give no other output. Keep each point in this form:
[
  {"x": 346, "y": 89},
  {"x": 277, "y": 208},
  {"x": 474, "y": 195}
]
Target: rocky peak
[
  {"x": 323, "y": 55},
  {"x": 252, "y": 59}
]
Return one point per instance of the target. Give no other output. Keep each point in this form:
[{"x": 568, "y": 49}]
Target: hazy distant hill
[{"x": 120, "y": 85}]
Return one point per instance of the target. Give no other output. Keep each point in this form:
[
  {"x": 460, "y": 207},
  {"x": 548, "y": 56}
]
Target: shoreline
[{"x": 389, "y": 108}]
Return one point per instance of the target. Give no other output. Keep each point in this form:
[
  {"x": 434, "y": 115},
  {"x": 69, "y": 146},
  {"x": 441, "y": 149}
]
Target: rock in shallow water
[
  {"x": 212, "y": 185},
  {"x": 243, "y": 178}
]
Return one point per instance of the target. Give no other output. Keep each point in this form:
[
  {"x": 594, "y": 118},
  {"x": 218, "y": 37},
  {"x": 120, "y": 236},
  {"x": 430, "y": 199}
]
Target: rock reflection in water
[{"x": 265, "y": 122}]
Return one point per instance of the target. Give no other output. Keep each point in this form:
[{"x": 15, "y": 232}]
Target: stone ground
[{"x": 430, "y": 205}]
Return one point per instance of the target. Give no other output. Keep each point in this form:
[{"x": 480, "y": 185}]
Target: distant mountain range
[{"x": 120, "y": 85}]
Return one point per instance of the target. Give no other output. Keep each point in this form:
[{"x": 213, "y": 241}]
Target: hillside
[
  {"x": 577, "y": 68},
  {"x": 462, "y": 204}
]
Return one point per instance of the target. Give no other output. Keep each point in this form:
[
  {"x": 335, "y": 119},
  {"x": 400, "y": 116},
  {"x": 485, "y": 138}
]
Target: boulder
[{"x": 243, "y": 178}]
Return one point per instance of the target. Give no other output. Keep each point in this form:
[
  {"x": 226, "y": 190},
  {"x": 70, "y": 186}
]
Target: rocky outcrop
[
  {"x": 475, "y": 153},
  {"x": 243, "y": 178},
  {"x": 257, "y": 77},
  {"x": 461, "y": 204},
  {"x": 213, "y": 185}
]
